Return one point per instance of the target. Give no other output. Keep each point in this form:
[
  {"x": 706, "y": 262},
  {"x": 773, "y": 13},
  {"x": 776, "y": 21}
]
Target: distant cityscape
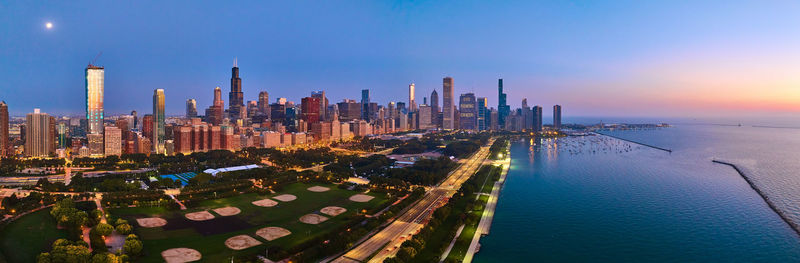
[{"x": 255, "y": 123}]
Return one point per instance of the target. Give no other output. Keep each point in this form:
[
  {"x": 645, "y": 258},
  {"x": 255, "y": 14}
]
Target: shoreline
[
  {"x": 485, "y": 224},
  {"x": 766, "y": 199}
]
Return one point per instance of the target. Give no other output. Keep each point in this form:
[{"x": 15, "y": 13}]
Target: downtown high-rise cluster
[{"x": 257, "y": 123}]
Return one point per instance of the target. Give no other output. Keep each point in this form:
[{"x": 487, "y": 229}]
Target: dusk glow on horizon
[{"x": 628, "y": 58}]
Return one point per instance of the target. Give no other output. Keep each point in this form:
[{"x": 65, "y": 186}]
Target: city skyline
[{"x": 711, "y": 66}]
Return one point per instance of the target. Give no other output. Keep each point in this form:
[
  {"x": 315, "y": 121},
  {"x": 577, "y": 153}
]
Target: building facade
[
  {"x": 95, "y": 81},
  {"x": 447, "y": 104},
  {"x": 159, "y": 119}
]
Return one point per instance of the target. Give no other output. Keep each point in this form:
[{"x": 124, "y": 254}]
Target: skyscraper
[
  {"x": 113, "y": 141},
  {"x": 158, "y": 122},
  {"x": 310, "y": 110},
  {"x": 365, "y": 104},
  {"x": 468, "y": 112},
  {"x": 411, "y": 104},
  {"x": 557, "y": 117},
  {"x": 263, "y": 103},
  {"x": 447, "y": 104},
  {"x": 537, "y": 118},
  {"x": 191, "y": 108},
  {"x": 135, "y": 120},
  {"x": 94, "y": 98},
  {"x": 38, "y": 138},
  {"x": 482, "y": 114},
  {"x": 323, "y": 103},
  {"x": 503, "y": 110},
  {"x": 235, "y": 97},
  {"x": 4, "y": 140},
  {"x": 215, "y": 111},
  {"x": 435, "y": 108}
]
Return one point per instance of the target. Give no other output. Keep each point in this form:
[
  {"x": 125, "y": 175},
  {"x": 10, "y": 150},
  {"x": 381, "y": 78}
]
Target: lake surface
[{"x": 599, "y": 199}]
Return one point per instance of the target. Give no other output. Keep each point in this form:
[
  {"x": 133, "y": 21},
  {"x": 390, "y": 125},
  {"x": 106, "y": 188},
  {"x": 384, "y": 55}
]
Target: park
[{"x": 218, "y": 229}]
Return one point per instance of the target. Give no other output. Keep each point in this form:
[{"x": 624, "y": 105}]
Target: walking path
[
  {"x": 488, "y": 213},
  {"x": 183, "y": 207},
  {"x": 452, "y": 243}
]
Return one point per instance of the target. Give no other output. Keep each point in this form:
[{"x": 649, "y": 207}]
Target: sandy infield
[
  {"x": 151, "y": 222},
  {"x": 265, "y": 203},
  {"x": 200, "y": 216},
  {"x": 227, "y": 211},
  {"x": 241, "y": 242},
  {"x": 180, "y": 255},
  {"x": 285, "y": 198},
  {"x": 313, "y": 219},
  {"x": 333, "y": 210},
  {"x": 318, "y": 189},
  {"x": 361, "y": 198},
  {"x": 272, "y": 233}
]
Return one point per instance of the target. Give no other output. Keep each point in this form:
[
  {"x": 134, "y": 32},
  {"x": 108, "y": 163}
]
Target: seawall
[
  {"x": 769, "y": 202},
  {"x": 639, "y": 143}
]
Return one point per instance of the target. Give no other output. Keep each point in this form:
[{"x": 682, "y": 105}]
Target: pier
[
  {"x": 639, "y": 143},
  {"x": 771, "y": 205}
]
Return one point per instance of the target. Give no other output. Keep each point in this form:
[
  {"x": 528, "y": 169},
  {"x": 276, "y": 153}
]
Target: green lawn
[
  {"x": 23, "y": 239},
  {"x": 285, "y": 214}
]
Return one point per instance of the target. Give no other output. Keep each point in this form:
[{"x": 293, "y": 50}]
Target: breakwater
[
  {"x": 639, "y": 143},
  {"x": 772, "y": 206}
]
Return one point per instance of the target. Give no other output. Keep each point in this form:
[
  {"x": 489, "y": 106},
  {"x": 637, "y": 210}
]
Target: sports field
[{"x": 209, "y": 236}]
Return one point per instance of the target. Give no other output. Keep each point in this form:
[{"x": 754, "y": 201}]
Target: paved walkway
[
  {"x": 488, "y": 213},
  {"x": 452, "y": 243}
]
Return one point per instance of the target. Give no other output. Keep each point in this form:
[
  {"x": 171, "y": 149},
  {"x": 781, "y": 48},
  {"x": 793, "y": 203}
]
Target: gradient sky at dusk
[{"x": 596, "y": 58}]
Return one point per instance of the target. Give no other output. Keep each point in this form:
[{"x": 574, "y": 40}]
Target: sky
[{"x": 595, "y": 58}]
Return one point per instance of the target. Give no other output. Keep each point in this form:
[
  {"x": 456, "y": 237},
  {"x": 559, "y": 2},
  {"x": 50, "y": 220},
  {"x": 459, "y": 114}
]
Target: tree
[
  {"x": 124, "y": 229},
  {"x": 120, "y": 221},
  {"x": 106, "y": 258},
  {"x": 132, "y": 246},
  {"x": 104, "y": 229},
  {"x": 66, "y": 252}
]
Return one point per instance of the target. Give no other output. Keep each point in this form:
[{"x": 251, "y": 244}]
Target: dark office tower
[
  {"x": 557, "y": 117},
  {"x": 309, "y": 108},
  {"x": 159, "y": 131},
  {"x": 448, "y": 109},
  {"x": 135, "y": 120},
  {"x": 503, "y": 110},
  {"x": 468, "y": 112},
  {"x": 290, "y": 119},
  {"x": 435, "y": 108},
  {"x": 537, "y": 118},
  {"x": 4, "y": 140},
  {"x": 191, "y": 108},
  {"x": 277, "y": 112},
  {"x": 263, "y": 103},
  {"x": 482, "y": 114},
  {"x": 235, "y": 97},
  {"x": 365, "y": 104},
  {"x": 323, "y": 103}
]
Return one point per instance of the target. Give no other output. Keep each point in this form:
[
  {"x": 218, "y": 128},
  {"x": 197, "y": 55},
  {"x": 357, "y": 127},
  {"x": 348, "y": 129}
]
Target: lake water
[{"x": 598, "y": 199}]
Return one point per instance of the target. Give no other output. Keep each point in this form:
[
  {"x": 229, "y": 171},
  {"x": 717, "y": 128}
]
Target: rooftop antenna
[
  {"x": 235, "y": 62},
  {"x": 96, "y": 57}
]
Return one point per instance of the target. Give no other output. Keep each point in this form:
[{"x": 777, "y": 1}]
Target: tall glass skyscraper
[
  {"x": 158, "y": 122},
  {"x": 482, "y": 114},
  {"x": 94, "y": 98},
  {"x": 557, "y": 117},
  {"x": 365, "y": 104}
]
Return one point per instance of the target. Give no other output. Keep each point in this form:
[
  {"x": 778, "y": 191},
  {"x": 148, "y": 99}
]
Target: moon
[{"x": 48, "y": 25}]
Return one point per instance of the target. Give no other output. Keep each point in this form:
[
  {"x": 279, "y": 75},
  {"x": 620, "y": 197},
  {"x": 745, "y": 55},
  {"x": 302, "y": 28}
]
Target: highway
[{"x": 384, "y": 243}]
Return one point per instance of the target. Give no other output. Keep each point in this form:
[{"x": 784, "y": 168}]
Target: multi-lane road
[{"x": 384, "y": 243}]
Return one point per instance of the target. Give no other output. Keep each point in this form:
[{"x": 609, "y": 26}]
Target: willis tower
[{"x": 235, "y": 97}]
